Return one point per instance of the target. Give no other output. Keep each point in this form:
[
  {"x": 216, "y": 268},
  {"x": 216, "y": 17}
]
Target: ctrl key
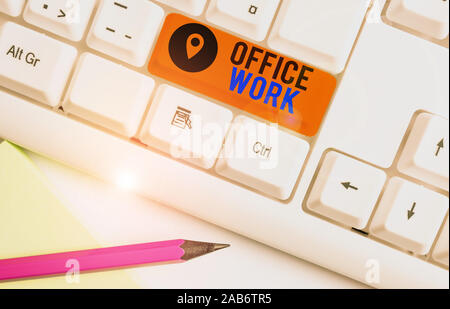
[
  {"x": 33, "y": 64},
  {"x": 262, "y": 157}
]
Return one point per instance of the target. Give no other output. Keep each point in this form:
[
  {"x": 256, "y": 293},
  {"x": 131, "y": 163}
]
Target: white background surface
[{"x": 116, "y": 217}]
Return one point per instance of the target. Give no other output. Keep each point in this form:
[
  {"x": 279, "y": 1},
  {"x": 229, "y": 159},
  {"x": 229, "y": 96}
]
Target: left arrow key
[
  {"x": 348, "y": 185},
  {"x": 350, "y": 203}
]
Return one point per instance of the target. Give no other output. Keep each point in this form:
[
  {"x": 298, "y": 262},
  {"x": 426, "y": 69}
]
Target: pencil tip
[
  {"x": 193, "y": 249},
  {"x": 220, "y": 246}
]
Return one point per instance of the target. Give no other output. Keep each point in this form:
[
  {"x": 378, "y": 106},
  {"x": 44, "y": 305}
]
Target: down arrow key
[{"x": 411, "y": 211}]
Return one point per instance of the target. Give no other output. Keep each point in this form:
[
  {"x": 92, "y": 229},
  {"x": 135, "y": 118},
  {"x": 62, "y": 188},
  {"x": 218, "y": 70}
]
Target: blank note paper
[{"x": 33, "y": 222}]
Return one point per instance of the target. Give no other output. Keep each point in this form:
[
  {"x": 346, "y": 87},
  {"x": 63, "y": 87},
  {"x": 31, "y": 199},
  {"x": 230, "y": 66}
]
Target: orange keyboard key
[{"x": 224, "y": 67}]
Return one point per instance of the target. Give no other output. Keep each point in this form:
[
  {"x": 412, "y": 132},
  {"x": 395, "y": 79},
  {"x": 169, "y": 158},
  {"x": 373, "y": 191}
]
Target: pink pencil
[{"x": 178, "y": 250}]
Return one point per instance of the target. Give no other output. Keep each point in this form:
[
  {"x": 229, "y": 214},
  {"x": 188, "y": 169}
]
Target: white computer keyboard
[{"x": 177, "y": 100}]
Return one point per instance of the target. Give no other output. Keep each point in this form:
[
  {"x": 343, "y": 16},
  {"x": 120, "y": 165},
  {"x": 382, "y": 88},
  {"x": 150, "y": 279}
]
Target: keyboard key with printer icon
[{"x": 182, "y": 119}]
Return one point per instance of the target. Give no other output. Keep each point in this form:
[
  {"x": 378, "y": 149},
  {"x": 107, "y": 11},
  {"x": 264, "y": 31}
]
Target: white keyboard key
[
  {"x": 126, "y": 29},
  {"x": 321, "y": 33},
  {"x": 33, "y": 64},
  {"x": 250, "y": 18},
  {"x": 346, "y": 190},
  {"x": 12, "y": 7},
  {"x": 262, "y": 157},
  {"x": 186, "y": 126},
  {"x": 425, "y": 155},
  {"x": 109, "y": 94},
  {"x": 429, "y": 17},
  {"x": 193, "y": 7},
  {"x": 409, "y": 216},
  {"x": 67, "y": 18},
  {"x": 440, "y": 253},
  {"x": 375, "y": 99}
]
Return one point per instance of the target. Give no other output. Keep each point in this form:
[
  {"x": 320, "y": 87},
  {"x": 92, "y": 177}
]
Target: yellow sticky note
[{"x": 33, "y": 222}]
